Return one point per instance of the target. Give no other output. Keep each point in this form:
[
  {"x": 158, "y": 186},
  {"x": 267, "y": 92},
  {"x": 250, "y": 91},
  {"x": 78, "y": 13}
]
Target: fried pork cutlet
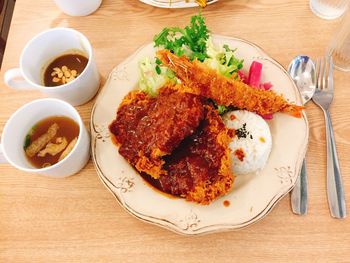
[
  {"x": 200, "y": 168},
  {"x": 149, "y": 128},
  {"x": 202, "y": 80},
  {"x": 132, "y": 109}
]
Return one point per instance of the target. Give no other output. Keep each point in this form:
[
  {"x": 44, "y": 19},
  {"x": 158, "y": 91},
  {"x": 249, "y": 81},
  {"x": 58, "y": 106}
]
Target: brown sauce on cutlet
[
  {"x": 195, "y": 161},
  {"x": 149, "y": 128},
  {"x": 155, "y": 185},
  {"x": 181, "y": 130}
]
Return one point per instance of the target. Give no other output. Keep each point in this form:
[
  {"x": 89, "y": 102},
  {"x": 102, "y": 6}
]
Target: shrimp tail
[{"x": 293, "y": 110}]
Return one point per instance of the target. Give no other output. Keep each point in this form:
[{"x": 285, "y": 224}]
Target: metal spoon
[{"x": 302, "y": 71}]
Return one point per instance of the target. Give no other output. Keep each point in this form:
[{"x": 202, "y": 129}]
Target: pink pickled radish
[{"x": 255, "y": 74}]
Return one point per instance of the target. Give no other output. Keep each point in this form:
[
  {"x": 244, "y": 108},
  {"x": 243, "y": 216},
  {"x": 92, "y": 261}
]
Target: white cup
[
  {"x": 329, "y": 9},
  {"x": 41, "y": 50},
  {"x": 78, "y": 7},
  {"x": 24, "y": 118}
]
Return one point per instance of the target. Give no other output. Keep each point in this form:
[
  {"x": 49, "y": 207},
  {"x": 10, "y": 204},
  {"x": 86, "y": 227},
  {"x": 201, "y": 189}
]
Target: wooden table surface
[{"x": 77, "y": 219}]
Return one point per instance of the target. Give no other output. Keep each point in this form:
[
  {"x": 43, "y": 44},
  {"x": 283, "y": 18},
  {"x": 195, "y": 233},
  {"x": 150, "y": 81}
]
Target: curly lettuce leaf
[
  {"x": 153, "y": 76},
  {"x": 191, "y": 40},
  {"x": 222, "y": 59}
]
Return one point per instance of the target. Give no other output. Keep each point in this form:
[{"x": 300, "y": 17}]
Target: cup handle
[
  {"x": 2, "y": 157},
  {"x": 14, "y": 79}
]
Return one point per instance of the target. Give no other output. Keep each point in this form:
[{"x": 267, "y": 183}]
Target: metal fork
[{"x": 323, "y": 97}]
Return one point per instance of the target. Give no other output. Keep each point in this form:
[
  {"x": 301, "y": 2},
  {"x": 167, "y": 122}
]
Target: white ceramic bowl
[
  {"x": 40, "y": 51},
  {"x": 24, "y": 118}
]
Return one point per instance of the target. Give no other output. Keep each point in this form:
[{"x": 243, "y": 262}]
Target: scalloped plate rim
[{"x": 214, "y": 228}]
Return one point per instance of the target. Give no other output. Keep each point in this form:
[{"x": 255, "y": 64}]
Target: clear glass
[
  {"x": 329, "y": 9},
  {"x": 339, "y": 46}
]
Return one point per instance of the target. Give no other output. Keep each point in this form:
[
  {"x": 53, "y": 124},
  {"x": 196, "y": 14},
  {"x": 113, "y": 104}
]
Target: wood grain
[{"x": 77, "y": 220}]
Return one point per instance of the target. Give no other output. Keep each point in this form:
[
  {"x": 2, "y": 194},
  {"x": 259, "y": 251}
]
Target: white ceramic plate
[
  {"x": 174, "y": 3},
  {"x": 252, "y": 197}
]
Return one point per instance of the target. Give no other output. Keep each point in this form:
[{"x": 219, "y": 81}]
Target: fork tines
[{"x": 324, "y": 72}]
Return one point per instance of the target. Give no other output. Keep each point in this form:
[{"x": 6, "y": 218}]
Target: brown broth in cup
[
  {"x": 64, "y": 69},
  {"x": 50, "y": 140}
]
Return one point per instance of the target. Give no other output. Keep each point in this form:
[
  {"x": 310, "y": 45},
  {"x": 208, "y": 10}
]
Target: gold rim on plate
[{"x": 252, "y": 197}]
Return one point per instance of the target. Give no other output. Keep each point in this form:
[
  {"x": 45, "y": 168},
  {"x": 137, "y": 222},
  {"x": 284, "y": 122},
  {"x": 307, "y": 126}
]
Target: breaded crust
[
  {"x": 200, "y": 168},
  {"x": 134, "y": 106},
  {"x": 149, "y": 128}
]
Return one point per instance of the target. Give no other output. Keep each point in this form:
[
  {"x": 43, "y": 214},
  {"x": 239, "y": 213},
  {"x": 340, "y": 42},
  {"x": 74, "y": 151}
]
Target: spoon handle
[
  {"x": 2, "y": 157},
  {"x": 299, "y": 193}
]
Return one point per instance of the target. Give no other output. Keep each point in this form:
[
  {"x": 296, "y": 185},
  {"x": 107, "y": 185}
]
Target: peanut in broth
[{"x": 55, "y": 73}]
